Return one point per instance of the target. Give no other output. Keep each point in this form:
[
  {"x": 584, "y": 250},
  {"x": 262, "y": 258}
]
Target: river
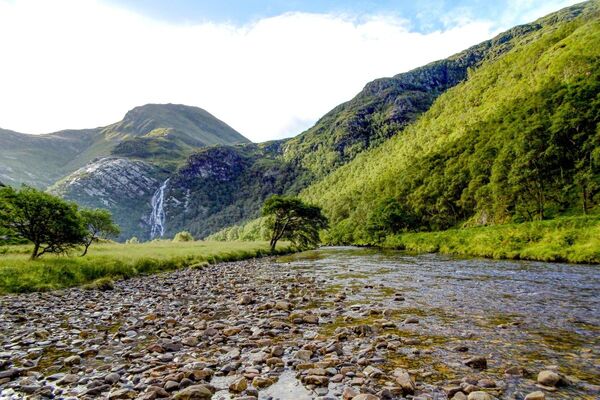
[{"x": 533, "y": 315}]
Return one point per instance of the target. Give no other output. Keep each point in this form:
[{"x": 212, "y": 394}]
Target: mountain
[
  {"x": 165, "y": 133},
  {"x": 387, "y": 105},
  {"x": 517, "y": 140}
]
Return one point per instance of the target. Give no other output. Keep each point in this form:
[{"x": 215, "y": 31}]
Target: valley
[{"x": 437, "y": 236}]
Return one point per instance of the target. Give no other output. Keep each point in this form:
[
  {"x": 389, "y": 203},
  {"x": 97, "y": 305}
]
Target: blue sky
[
  {"x": 269, "y": 69},
  {"x": 422, "y": 15}
]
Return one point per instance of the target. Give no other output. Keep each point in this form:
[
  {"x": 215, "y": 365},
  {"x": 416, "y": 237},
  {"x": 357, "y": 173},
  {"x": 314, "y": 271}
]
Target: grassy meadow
[
  {"x": 112, "y": 261},
  {"x": 568, "y": 239}
]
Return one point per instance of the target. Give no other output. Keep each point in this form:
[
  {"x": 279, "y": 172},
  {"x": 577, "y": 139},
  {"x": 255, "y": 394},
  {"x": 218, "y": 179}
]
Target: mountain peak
[{"x": 197, "y": 125}]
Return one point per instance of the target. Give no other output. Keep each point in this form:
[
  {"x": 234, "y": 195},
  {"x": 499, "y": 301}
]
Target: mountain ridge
[{"x": 178, "y": 127}]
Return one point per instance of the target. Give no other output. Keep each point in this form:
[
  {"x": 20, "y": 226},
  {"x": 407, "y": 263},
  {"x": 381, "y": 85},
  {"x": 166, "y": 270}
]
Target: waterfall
[{"x": 157, "y": 218}]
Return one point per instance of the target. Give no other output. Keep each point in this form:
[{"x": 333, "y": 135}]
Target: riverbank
[
  {"x": 112, "y": 261},
  {"x": 332, "y": 323},
  {"x": 570, "y": 239}
]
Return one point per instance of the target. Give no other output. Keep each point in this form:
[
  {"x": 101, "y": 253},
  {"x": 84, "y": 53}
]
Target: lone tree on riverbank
[
  {"x": 51, "y": 224},
  {"x": 99, "y": 224},
  {"x": 292, "y": 219}
]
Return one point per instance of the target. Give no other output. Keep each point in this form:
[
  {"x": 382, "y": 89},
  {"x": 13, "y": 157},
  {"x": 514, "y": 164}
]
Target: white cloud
[{"x": 83, "y": 63}]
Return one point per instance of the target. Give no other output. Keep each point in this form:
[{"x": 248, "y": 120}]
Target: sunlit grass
[
  {"x": 18, "y": 274},
  {"x": 571, "y": 239}
]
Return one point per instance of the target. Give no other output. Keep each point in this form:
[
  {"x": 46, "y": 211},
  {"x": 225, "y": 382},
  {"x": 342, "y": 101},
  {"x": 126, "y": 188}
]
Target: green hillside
[
  {"x": 387, "y": 105},
  {"x": 164, "y": 133},
  {"x": 517, "y": 141}
]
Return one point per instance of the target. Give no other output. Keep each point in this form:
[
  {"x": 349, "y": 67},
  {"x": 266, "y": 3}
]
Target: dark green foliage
[
  {"x": 289, "y": 218},
  {"x": 99, "y": 224},
  {"x": 390, "y": 217},
  {"x": 225, "y": 185},
  {"x": 51, "y": 224}
]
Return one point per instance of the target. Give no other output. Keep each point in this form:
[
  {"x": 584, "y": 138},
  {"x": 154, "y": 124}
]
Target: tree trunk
[
  {"x": 36, "y": 249},
  {"x": 86, "y": 246},
  {"x": 584, "y": 196}
]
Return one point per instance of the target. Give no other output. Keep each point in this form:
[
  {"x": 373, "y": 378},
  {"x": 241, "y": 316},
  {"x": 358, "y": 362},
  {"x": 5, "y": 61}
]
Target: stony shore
[{"x": 245, "y": 330}]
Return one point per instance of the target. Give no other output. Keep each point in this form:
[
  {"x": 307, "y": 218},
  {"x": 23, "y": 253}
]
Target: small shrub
[
  {"x": 183, "y": 236},
  {"x": 132, "y": 240},
  {"x": 102, "y": 284}
]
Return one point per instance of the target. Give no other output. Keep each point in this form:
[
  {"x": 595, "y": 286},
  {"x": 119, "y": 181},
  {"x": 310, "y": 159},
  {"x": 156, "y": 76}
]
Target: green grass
[
  {"x": 115, "y": 261},
  {"x": 569, "y": 239}
]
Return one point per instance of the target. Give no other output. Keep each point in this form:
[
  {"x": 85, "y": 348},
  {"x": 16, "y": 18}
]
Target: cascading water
[{"x": 157, "y": 218}]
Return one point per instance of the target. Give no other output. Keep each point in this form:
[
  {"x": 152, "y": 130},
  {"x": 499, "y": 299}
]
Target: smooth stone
[
  {"x": 548, "y": 378},
  {"x": 536, "y": 396},
  {"x": 194, "y": 392},
  {"x": 479, "y": 395},
  {"x": 72, "y": 360},
  {"x": 239, "y": 385}
]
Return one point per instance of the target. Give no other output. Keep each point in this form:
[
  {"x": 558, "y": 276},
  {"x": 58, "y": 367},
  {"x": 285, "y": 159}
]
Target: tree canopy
[
  {"x": 291, "y": 219},
  {"x": 99, "y": 224},
  {"x": 51, "y": 224}
]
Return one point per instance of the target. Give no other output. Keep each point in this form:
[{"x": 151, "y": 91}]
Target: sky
[{"x": 267, "y": 68}]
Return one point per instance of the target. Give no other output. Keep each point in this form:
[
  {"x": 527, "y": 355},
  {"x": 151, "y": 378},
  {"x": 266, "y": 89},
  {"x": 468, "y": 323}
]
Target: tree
[
  {"x": 390, "y": 217},
  {"x": 292, "y": 219},
  {"x": 99, "y": 224},
  {"x": 51, "y": 224}
]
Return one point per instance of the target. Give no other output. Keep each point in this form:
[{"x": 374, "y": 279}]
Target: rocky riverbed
[{"x": 338, "y": 323}]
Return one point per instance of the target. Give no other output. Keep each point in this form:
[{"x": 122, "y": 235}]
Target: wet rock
[
  {"x": 477, "y": 362},
  {"x": 245, "y": 300},
  {"x": 122, "y": 394},
  {"x": 112, "y": 378},
  {"x": 349, "y": 393},
  {"x": 548, "y": 378},
  {"x": 365, "y": 396},
  {"x": 459, "y": 396},
  {"x": 171, "y": 386},
  {"x": 516, "y": 371},
  {"x": 372, "y": 372},
  {"x": 536, "y": 396},
  {"x": 232, "y": 331},
  {"x": 303, "y": 355},
  {"x": 261, "y": 382},
  {"x": 479, "y": 395},
  {"x": 283, "y": 305},
  {"x": 194, "y": 392},
  {"x": 190, "y": 341},
  {"x": 239, "y": 385},
  {"x": 404, "y": 381},
  {"x": 318, "y": 380},
  {"x": 72, "y": 360}
]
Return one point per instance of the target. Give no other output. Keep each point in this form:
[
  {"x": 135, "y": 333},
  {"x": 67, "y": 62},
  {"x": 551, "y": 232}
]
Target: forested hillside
[
  {"x": 517, "y": 141},
  {"x": 387, "y": 105}
]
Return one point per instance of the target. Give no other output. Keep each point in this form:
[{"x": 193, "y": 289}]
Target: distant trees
[
  {"x": 51, "y": 224},
  {"x": 292, "y": 219},
  {"x": 99, "y": 224}
]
